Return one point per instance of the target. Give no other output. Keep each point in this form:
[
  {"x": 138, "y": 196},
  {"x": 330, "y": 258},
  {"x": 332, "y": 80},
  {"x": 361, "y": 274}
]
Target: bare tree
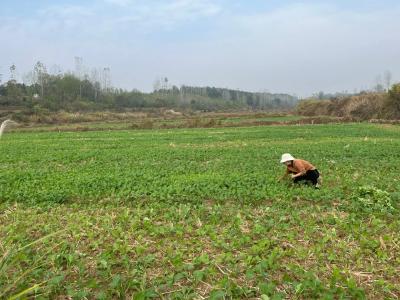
[
  {"x": 95, "y": 80},
  {"x": 40, "y": 75},
  {"x": 106, "y": 78},
  {"x": 165, "y": 86},
  {"x": 78, "y": 72},
  {"x": 13, "y": 73}
]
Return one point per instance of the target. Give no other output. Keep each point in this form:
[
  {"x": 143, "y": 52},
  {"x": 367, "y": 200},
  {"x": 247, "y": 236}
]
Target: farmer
[{"x": 300, "y": 170}]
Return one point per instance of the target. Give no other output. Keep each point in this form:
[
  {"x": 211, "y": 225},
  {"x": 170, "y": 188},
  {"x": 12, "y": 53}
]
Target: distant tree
[
  {"x": 42, "y": 92},
  {"x": 157, "y": 85},
  {"x": 394, "y": 95},
  {"x": 40, "y": 76},
  {"x": 29, "y": 78},
  {"x": 165, "y": 87},
  {"x": 379, "y": 88},
  {"x": 277, "y": 102},
  {"x": 387, "y": 76},
  {"x": 56, "y": 70},
  {"x": 13, "y": 73}
]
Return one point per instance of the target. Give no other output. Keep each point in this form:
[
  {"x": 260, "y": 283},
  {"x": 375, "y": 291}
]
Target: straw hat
[{"x": 286, "y": 157}]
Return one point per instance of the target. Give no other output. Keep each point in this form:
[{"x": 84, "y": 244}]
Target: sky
[{"x": 296, "y": 47}]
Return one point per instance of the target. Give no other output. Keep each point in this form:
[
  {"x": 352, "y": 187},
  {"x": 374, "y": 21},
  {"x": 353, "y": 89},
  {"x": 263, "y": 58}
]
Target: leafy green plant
[{"x": 369, "y": 198}]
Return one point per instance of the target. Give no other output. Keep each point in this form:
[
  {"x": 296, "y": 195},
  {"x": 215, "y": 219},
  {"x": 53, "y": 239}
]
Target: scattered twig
[
  {"x": 171, "y": 292},
  {"x": 220, "y": 269}
]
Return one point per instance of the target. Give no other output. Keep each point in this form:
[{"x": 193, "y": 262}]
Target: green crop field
[{"x": 200, "y": 213}]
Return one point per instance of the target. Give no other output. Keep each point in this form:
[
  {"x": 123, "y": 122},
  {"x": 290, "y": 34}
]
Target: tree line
[{"x": 69, "y": 92}]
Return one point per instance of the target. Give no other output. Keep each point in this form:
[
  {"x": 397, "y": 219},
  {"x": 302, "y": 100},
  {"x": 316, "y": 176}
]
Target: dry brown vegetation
[{"x": 365, "y": 106}]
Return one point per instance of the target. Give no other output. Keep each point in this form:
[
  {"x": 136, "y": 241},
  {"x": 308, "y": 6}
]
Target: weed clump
[{"x": 370, "y": 199}]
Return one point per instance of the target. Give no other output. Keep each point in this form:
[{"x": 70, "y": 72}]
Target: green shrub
[{"x": 394, "y": 96}]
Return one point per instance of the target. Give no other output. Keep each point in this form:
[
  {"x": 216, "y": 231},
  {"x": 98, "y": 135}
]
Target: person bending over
[{"x": 300, "y": 170}]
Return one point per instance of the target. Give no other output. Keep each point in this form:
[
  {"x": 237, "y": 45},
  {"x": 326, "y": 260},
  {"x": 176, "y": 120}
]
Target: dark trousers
[{"x": 311, "y": 175}]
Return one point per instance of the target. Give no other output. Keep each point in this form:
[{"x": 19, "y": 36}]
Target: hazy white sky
[{"x": 298, "y": 47}]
